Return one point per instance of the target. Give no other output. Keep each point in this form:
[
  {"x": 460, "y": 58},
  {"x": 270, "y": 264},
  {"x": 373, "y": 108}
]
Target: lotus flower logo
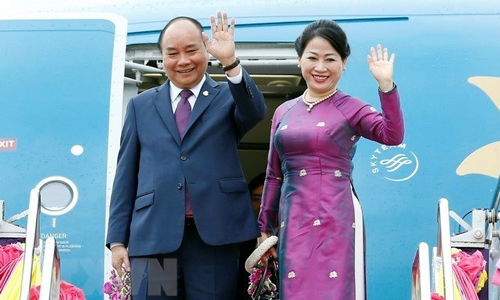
[{"x": 485, "y": 160}]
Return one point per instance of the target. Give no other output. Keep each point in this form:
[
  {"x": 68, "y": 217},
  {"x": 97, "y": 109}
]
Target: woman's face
[
  {"x": 256, "y": 194},
  {"x": 321, "y": 67}
]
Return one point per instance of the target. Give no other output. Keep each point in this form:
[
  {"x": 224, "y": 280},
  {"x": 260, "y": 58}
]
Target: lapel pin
[{"x": 205, "y": 93}]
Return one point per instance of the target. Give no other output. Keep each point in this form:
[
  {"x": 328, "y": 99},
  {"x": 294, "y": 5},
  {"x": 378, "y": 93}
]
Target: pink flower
[
  {"x": 34, "y": 292},
  {"x": 107, "y": 288},
  {"x": 66, "y": 292},
  {"x": 255, "y": 277},
  {"x": 70, "y": 292},
  {"x": 9, "y": 252},
  {"x": 118, "y": 288}
]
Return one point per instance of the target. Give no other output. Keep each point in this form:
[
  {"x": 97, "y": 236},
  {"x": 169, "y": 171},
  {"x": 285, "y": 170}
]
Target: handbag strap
[{"x": 276, "y": 273}]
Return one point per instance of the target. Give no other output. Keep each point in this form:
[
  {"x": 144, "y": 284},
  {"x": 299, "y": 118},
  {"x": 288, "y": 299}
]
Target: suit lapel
[
  {"x": 163, "y": 104},
  {"x": 207, "y": 94}
]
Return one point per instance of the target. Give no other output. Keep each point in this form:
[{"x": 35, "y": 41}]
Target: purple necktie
[{"x": 182, "y": 114}]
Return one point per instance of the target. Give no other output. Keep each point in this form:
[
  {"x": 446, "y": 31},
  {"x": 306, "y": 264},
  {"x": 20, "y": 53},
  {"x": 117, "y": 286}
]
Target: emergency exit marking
[{"x": 8, "y": 144}]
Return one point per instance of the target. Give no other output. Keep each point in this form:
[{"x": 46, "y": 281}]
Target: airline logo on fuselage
[{"x": 395, "y": 163}]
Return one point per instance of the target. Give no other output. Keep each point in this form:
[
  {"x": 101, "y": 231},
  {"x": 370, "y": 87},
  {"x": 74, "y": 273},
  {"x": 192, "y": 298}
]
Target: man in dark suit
[{"x": 179, "y": 198}]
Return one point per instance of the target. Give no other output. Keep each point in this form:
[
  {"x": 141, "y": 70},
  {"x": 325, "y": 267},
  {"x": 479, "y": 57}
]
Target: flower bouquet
[
  {"x": 262, "y": 275},
  {"x": 118, "y": 287},
  {"x": 258, "y": 285}
]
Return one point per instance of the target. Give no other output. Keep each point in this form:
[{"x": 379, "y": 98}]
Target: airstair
[
  {"x": 438, "y": 275},
  {"x": 35, "y": 251}
]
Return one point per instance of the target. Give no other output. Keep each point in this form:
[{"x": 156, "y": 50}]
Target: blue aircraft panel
[
  {"x": 446, "y": 118},
  {"x": 60, "y": 78}
]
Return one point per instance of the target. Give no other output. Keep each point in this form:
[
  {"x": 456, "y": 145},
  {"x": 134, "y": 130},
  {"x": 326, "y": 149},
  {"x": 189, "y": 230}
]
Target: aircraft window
[{"x": 58, "y": 195}]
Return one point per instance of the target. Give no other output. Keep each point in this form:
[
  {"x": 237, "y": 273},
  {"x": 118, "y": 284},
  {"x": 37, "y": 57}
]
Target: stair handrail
[
  {"x": 51, "y": 271},
  {"x": 444, "y": 248},
  {"x": 32, "y": 242},
  {"x": 421, "y": 279}
]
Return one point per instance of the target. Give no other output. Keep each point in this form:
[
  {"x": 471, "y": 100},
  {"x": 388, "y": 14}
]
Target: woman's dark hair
[
  {"x": 328, "y": 30},
  {"x": 256, "y": 181},
  {"x": 195, "y": 22}
]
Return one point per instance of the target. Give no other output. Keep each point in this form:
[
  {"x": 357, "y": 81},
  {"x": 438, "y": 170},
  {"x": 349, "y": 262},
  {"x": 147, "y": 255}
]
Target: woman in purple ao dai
[{"x": 308, "y": 193}]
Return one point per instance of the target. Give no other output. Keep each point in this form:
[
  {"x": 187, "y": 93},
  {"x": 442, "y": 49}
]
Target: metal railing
[
  {"x": 32, "y": 242},
  {"x": 481, "y": 234},
  {"x": 444, "y": 280},
  {"x": 51, "y": 271},
  {"x": 421, "y": 287},
  {"x": 8, "y": 230},
  {"x": 51, "y": 266}
]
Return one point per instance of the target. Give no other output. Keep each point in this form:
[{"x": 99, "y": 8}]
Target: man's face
[{"x": 185, "y": 58}]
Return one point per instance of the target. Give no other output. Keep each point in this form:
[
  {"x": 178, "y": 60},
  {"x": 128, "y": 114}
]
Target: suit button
[
  {"x": 183, "y": 158},
  {"x": 179, "y": 186}
]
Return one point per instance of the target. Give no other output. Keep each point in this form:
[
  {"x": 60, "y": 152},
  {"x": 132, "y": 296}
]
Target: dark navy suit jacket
[{"x": 147, "y": 209}]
